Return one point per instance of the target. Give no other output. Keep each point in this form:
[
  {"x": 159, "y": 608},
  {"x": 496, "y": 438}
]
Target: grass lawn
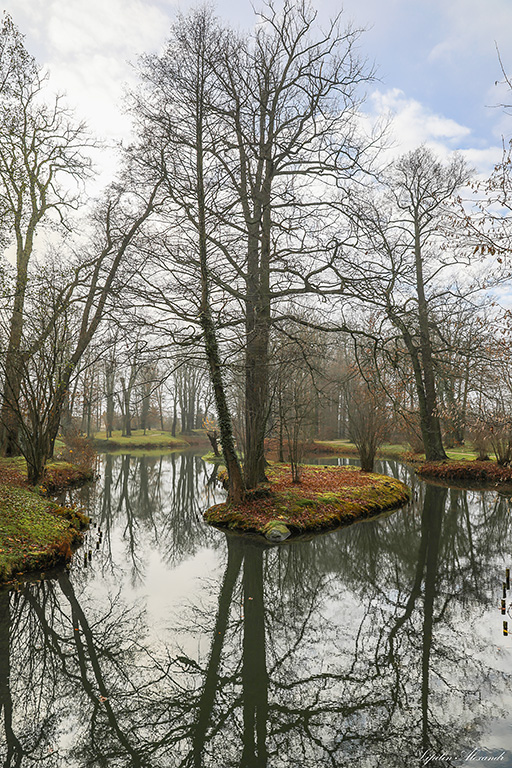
[
  {"x": 153, "y": 438},
  {"x": 462, "y": 466},
  {"x": 395, "y": 450},
  {"x": 325, "y": 498}
]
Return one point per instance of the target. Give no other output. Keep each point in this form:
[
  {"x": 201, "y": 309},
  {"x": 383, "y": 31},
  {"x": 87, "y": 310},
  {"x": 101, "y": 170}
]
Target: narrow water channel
[{"x": 176, "y": 645}]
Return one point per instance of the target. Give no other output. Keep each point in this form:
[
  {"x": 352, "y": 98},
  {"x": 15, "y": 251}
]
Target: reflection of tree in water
[
  {"x": 422, "y": 605},
  {"x": 310, "y": 689},
  {"x": 157, "y": 501},
  {"x": 347, "y": 648},
  {"x": 78, "y": 684}
]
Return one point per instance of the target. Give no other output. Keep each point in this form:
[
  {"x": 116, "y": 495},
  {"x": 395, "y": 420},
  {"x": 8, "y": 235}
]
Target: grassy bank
[
  {"x": 153, "y": 439},
  {"x": 462, "y": 465},
  {"x": 35, "y": 532},
  {"x": 326, "y": 498},
  {"x": 391, "y": 451}
]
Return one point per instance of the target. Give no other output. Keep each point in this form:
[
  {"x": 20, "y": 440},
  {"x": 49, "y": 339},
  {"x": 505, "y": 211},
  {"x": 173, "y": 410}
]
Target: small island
[{"x": 327, "y": 497}]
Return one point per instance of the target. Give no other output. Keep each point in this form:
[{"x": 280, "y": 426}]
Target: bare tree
[
  {"x": 245, "y": 128},
  {"x": 41, "y": 159},
  {"x": 49, "y": 365},
  {"x": 403, "y": 266},
  {"x": 368, "y": 418}
]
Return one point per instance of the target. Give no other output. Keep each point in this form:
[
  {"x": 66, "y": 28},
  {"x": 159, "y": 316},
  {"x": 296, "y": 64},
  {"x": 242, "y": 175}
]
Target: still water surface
[{"x": 177, "y": 645}]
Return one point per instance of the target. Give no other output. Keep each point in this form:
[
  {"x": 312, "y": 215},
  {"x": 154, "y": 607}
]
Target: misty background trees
[{"x": 257, "y": 265}]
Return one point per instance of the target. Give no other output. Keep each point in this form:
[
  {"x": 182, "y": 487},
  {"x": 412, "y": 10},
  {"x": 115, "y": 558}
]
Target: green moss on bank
[
  {"x": 346, "y": 448},
  {"x": 58, "y": 475},
  {"x": 35, "y": 533},
  {"x": 211, "y": 458},
  {"x": 326, "y": 498}
]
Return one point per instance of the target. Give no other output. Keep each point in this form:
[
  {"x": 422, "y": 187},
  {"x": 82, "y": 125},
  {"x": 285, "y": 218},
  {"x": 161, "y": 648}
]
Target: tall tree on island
[{"x": 254, "y": 132}]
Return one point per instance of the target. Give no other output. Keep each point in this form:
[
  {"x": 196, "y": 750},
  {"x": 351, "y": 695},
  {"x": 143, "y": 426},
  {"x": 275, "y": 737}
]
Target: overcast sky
[{"x": 436, "y": 60}]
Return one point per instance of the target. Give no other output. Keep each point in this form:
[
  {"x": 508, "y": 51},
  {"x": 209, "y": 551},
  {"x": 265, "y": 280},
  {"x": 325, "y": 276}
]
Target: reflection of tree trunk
[
  {"x": 254, "y": 669},
  {"x": 81, "y": 624},
  {"x": 144, "y": 504},
  {"x": 432, "y": 522},
  {"x": 14, "y": 749},
  {"x": 211, "y": 679},
  {"x": 106, "y": 501},
  {"x": 125, "y": 498},
  {"x": 427, "y": 566},
  {"x": 415, "y": 589},
  {"x": 212, "y": 478},
  {"x": 460, "y": 521}
]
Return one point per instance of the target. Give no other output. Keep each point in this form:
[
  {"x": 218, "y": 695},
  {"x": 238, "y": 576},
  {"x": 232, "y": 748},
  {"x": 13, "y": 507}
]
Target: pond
[{"x": 174, "y": 644}]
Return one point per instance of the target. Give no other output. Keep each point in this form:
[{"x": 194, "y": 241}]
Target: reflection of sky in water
[{"x": 340, "y": 667}]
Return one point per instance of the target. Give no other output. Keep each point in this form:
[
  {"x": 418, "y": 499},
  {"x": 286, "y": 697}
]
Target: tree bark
[
  {"x": 236, "y": 490},
  {"x": 430, "y": 423}
]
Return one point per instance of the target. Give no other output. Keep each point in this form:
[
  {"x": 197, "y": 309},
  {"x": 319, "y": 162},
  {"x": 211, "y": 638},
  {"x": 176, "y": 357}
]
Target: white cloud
[
  {"x": 412, "y": 124},
  {"x": 482, "y": 160},
  {"x": 88, "y": 47},
  {"x": 87, "y": 44},
  {"x": 79, "y": 29}
]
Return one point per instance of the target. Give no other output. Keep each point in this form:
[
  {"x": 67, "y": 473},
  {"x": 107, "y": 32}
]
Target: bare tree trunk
[
  {"x": 109, "y": 393},
  {"x": 281, "y": 425},
  {"x": 430, "y": 423},
  {"x": 174, "y": 415},
  {"x": 236, "y": 489},
  {"x": 127, "y": 430},
  {"x": 9, "y": 416}
]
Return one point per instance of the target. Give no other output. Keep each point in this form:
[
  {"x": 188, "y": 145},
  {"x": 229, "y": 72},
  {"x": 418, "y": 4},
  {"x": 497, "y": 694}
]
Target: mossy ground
[
  {"x": 58, "y": 474},
  {"x": 153, "y": 438},
  {"x": 326, "y": 498},
  {"x": 462, "y": 463},
  {"x": 211, "y": 458},
  {"x": 35, "y": 532}
]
